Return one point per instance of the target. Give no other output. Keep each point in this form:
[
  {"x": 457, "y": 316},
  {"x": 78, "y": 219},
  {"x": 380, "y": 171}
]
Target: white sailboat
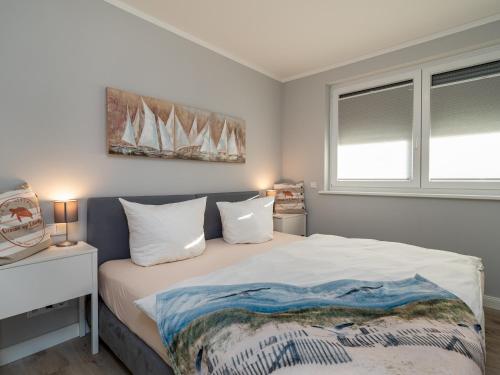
[
  {"x": 181, "y": 138},
  {"x": 170, "y": 127},
  {"x": 232, "y": 149},
  {"x": 222, "y": 145},
  {"x": 205, "y": 143},
  {"x": 193, "y": 133},
  {"x": 208, "y": 145},
  {"x": 128, "y": 134},
  {"x": 165, "y": 136},
  {"x": 137, "y": 123},
  {"x": 199, "y": 140},
  {"x": 149, "y": 135}
]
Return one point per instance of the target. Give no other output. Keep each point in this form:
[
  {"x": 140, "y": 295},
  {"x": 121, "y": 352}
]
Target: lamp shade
[
  {"x": 66, "y": 211},
  {"x": 270, "y": 193}
]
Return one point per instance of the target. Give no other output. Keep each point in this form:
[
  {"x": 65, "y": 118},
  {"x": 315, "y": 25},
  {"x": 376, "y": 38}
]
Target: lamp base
[{"x": 66, "y": 243}]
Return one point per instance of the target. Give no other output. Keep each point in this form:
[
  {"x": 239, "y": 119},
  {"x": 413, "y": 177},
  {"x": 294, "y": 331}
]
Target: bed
[
  {"x": 134, "y": 337},
  {"x": 128, "y": 332}
]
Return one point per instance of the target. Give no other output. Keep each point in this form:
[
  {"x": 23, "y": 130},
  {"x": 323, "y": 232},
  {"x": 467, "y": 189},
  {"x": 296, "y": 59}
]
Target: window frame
[
  {"x": 421, "y": 186},
  {"x": 456, "y": 185},
  {"x": 381, "y": 80}
]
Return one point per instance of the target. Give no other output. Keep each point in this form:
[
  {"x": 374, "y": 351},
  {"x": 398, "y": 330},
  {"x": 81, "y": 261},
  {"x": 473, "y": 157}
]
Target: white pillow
[
  {"x": 249, "y": 221},
  {"x": 165, "y": 233}
]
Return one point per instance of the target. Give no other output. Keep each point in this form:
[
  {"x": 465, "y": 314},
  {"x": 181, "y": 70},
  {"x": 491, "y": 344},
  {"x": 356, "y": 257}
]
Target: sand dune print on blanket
[{"x": 410, "y": 326}]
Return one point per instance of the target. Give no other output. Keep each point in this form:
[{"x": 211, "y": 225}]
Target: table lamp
[{"x": 66, "y": 212}]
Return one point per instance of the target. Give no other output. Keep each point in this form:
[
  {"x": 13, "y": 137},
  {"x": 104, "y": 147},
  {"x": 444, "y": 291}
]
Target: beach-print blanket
[{"x": 410, "y": 326}]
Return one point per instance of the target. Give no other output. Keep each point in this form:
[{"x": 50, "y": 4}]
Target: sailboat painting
[{"x": 144, "y": 126}]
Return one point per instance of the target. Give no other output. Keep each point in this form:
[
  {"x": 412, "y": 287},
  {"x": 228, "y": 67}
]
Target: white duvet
[{"x": 323, "y": 258}]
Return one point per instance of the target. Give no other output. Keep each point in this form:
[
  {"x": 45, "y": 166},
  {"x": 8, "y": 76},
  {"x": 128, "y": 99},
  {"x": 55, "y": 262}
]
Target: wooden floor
[
  {"x": 73, "y": 357},
  {"x": 492, "y": 341}
]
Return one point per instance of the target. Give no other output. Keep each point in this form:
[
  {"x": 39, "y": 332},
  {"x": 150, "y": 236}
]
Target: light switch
[{"x": 313, "y": 184}]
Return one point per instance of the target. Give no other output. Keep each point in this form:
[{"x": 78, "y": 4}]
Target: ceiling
[{"x": 287, "y": 39}]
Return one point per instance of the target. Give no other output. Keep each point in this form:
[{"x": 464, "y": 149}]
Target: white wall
[
  {"x": 58, "y": 56},
  {"x": 465, "y": 226},
  {"x": 57, "y": 59}
]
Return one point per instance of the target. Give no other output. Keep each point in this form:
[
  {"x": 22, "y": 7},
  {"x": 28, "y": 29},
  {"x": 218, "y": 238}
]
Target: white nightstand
[
  {"x": 290, "y": 223},
  {"x": 51, "y": 276}
]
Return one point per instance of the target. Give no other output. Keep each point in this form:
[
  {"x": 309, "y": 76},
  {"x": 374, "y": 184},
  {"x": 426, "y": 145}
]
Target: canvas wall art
[{"x": 143, "y": 126}]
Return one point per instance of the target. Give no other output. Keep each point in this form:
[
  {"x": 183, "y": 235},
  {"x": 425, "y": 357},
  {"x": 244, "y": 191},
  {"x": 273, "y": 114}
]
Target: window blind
[
  {"x": 465, "y": 123},
  {"x": 382, "y": 114},
  {"x": 465, "y": 74},
  {"x": 376, "y": 89},
  {"x": 466, "y": 107}
]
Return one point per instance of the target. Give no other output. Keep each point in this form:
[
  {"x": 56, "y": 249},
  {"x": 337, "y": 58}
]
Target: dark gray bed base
[
  {"x": 107, "y": 230},
  {"x": 128, "y": 347}
]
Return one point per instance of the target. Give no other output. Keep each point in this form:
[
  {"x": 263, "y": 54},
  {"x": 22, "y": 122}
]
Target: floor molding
[
  {"x": 491, "y": 302},
  {"x": 28, "y": 347}
]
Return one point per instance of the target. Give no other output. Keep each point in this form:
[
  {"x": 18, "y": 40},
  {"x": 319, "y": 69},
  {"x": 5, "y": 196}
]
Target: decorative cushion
[
  {"x": 165, "y": 233},
  {"x": 249, "y": 221},
  {"x": 22, "y": 229},
  {"x": 289, "y": 198}
]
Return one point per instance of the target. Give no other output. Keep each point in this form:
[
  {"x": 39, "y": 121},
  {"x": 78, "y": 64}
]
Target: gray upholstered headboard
[{"x": 107, "y": 227}]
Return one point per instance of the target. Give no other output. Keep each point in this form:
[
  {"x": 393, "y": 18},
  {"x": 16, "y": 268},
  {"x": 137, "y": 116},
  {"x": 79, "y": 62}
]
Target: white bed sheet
[{"x": 322, "y": 258}]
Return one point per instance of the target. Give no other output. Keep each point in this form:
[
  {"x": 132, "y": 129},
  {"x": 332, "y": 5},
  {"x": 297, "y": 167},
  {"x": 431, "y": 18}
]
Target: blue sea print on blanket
[{"x": 375, "y": 327}]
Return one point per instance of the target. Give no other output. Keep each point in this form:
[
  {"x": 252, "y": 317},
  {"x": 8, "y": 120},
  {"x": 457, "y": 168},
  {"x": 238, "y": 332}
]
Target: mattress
[{"x": 121, "y": 282}]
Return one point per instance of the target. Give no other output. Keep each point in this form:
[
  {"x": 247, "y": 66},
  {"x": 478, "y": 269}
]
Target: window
[
  {"x": 375, "y": 143},
  {"x": 463, "y": 126},
  {"x": 375, "y": 125},
  {"x": 453, "y": 106}
]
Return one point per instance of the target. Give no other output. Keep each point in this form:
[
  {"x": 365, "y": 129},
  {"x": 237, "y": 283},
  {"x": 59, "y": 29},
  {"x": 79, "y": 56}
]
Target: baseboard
[
  {"x": 491, "y": 302},
  {"x": 28, "y": 347}
]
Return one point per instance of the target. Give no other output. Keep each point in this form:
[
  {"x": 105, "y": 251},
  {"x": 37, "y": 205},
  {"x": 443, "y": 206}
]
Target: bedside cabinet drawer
[
  {"x": 40, "y": 284},
  {"x": 290, "y": 223}
]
